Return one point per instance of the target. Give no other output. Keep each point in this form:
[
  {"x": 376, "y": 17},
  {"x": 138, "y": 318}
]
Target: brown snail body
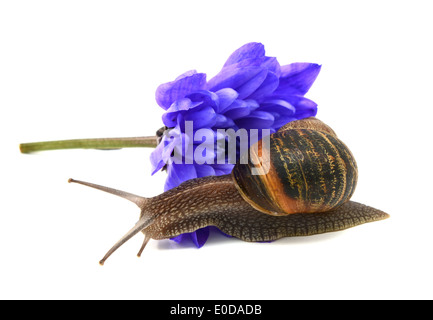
[{"x": 306, "y": 191}]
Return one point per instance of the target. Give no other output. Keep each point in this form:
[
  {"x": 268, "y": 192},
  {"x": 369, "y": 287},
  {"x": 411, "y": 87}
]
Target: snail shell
[{"x": 311, "y": 170}]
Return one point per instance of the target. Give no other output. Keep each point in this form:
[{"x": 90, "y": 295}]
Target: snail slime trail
[{"x": 306, "y": 190}]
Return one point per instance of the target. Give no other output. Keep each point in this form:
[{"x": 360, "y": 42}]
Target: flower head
[{"x": 252, "y": 91}]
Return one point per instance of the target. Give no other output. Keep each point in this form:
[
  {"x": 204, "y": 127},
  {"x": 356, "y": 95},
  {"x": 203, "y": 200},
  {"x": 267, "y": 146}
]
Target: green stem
[{"x": 100, "y": 143}]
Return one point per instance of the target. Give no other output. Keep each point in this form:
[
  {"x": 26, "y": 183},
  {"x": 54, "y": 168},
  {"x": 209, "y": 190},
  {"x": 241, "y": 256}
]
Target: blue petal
[
  {"x": 223, "y": 122},
  {"x": 281, "y": 118},
  {"x": 226, "y": 97},
  {"x": 297, "y": 78},
  {"x": 288, "y": 108},
  {"x": 252, "y": 54},
  {"x": 238, "y": 109},
  {"x": 170, "y": 116},
  {"x": 252, "y": 50},
  {"x": 171, "y": 140},
  {"x": 249, "y": 87},
  {"x": 156, "y": 158},
  {"x": 252, "y": 104},
  {"x": 243, "y": 80},
  {"x": 181, "y": 238},
  {"x": 204, "y": 170},
  {"x": 185, "y": 84},
  {"x": 178, "y": 173},
  {"x": 204, "y": 154},
  {"x": 206, "y": 98},
  {"x": 201, "y": 117},
  {"x": 271, "y": 63},
  {"x": 304, "y": 107},
  {"x": 215, "y": 229},
  {"x": 256, "y": 120},
  {"x": 179, "y": 153},
  {"x": 200, "y": 236},
  {"x": 277, "y": 105},
  {"x": 222, "y": 169},
  {"x": 267, "y": 87}
]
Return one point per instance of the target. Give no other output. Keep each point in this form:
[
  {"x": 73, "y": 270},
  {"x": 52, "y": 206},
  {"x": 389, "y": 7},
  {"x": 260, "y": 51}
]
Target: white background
[{"x": 86, "y": 69}]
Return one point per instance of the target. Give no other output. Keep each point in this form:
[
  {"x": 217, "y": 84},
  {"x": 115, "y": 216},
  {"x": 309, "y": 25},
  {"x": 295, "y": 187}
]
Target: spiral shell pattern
[{"x": 310, "y": 171}]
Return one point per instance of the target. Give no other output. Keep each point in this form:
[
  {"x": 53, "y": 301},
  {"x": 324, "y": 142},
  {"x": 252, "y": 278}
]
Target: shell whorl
[
  {"x": 311, "y": 170},
  {"x": 308, "y": 123}
]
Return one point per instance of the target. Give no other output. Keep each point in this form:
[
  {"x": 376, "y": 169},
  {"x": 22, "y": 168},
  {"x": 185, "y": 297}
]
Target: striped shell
[{"x": 311, "y": 170}]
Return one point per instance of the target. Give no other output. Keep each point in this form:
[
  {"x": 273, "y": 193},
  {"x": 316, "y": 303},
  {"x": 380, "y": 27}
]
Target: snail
[{"x": 306, "y": 191}]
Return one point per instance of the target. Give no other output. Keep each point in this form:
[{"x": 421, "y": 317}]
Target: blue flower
[{"x": 252, "y": 91}]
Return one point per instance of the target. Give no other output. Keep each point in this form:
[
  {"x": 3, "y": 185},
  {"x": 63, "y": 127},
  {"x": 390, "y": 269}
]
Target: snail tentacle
[
  {"x": 145, "y": 241},
  {"x": 138, "y": 200},
  {"x": 139, "y": 226}
]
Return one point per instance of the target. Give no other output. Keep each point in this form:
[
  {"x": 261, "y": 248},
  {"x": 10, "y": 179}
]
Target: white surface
[{"x": 87, "y": 69}]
